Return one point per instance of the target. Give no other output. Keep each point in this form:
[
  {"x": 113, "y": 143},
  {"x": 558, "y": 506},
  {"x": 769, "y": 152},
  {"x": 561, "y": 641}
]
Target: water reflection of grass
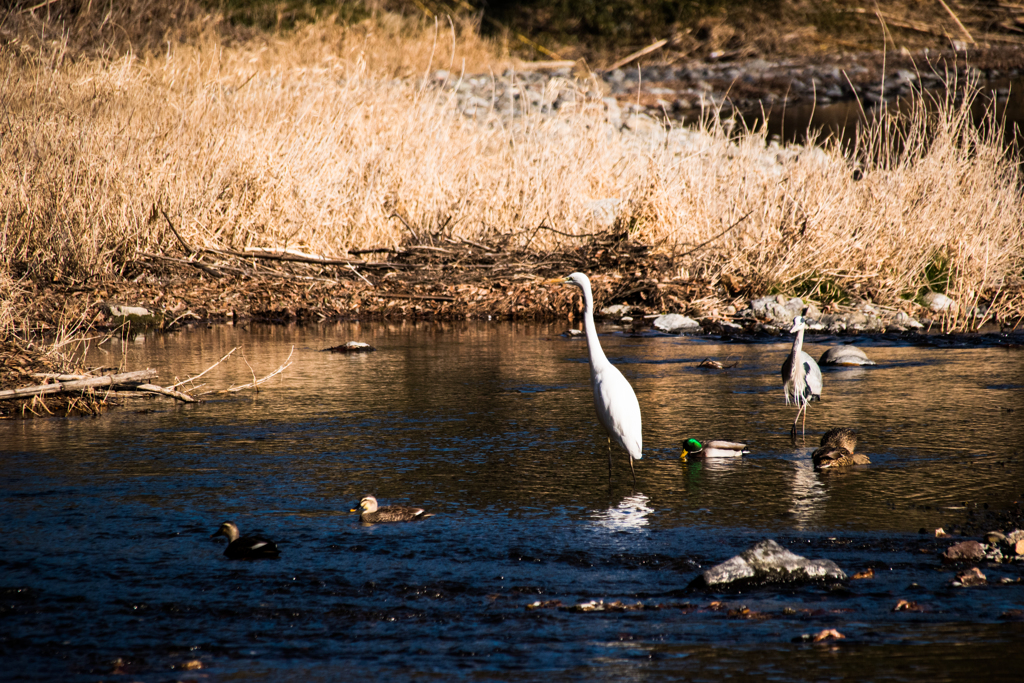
[{"x": 315, "y": 138}]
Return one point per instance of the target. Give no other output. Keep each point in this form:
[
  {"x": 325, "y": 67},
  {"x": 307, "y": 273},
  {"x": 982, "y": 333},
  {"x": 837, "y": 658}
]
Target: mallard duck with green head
[
  {"x": 837, "y": 450},
  {"x": 245, "y": 547},
  {"x": 371, "y": 513},
  {"x": 713, "y": 449}
]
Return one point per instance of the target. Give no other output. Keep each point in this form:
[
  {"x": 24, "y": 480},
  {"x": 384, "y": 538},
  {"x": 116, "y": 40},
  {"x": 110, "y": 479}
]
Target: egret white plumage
[
  {"x": 618, "y": 411},
  {"x": 801, "y": 376}
]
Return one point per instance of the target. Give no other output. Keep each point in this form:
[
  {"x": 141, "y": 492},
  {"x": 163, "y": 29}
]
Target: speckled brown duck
[
  {"x": 837, "y": 450},
  {"x": 245, "y": 547},
  {"x": 372, "y": 514}
]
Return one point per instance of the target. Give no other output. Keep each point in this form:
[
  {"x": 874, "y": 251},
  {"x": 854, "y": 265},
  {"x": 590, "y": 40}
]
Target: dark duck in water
[{"x": 245, "y": 547}]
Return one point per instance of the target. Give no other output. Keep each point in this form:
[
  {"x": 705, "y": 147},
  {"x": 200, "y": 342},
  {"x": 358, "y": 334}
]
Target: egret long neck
[{"x": 597, "y": 357}]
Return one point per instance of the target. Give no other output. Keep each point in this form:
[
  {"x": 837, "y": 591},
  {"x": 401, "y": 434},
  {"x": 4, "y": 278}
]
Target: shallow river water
[{"x": 108, "y": 573}]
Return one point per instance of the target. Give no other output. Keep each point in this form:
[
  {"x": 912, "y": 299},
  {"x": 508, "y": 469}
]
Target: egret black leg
[{"x": 609, "y": 461}]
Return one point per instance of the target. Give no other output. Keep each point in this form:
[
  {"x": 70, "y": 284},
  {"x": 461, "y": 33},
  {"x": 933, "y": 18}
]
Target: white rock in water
[
  {"x": 844, "y": 355},
  {"x": 117, "y": 310},
  {"x": 938, "y": 302},
  {"x": 673, "y": 322},
  {"x": 616, "y": 311},
  {"x": 769, "y": 563}
]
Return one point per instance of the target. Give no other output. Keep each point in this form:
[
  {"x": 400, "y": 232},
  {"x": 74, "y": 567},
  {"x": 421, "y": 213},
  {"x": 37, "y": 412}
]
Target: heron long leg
[{"x": 792, "y": 431}]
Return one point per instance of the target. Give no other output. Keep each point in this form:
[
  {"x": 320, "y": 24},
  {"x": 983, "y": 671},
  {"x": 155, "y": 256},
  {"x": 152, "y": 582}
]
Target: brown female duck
[{"x": 837, "y": 450}]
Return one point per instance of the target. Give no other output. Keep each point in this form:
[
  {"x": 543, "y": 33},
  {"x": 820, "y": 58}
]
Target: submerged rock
[
  {"x": 351, "y": 347},
  {"x": 673, "y": 322},
  {"x": 768, "y": 563},
  {"x": 844, "y": 355}
]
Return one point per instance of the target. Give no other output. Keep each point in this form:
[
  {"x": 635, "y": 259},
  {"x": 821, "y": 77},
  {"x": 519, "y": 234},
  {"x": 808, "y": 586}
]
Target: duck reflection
[{"x": 629, "y": 515}]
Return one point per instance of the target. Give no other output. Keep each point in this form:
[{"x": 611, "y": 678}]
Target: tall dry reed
[{"x": 317, "y": 138}]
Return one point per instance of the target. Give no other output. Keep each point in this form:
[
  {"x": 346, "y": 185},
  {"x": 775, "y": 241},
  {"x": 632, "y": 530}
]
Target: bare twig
[
  {"x": 154, "y": 389},
  {"x": 406, "y": 224},
  {"x": 425, "y": 297},
  {"x": 707, "y": 242},
  {"x": 281, "y": 369},
  {"x": 192, "y": 379},
  {"x": 185, "y": 245},
  {"x": 639, "y": 53},
  {"x": 967, "y": 34}
]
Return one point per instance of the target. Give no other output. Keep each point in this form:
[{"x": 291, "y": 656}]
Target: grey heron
[{"x": 801, "y": 376}]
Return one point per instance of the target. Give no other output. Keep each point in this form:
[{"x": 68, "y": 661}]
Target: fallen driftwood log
[
  {"x": 121, "y": 380},
  {"x": 163, "y": 391}
]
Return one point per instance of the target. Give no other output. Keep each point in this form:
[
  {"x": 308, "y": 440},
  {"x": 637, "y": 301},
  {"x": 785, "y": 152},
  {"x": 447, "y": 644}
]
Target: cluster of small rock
[
  {"x": 997, "y": 548},
  {"x": 775, "y": 314},
  {"x": 631, "y": 94}
]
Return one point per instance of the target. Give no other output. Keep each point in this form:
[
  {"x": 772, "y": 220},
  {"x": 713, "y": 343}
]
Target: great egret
[
  {"x": 245, "y": 547},
  {"x": 618, "y": 411},
  {"x": 372, "y": 514},
  {"x": 801, "y": 376},
  {"x": 844, "y": 354},
  {"x": 713, "y": 449},
  {"x": 837, "y": 450}
]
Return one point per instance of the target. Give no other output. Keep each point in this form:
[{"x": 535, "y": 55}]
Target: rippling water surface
[{"x": 108, "y": 571}]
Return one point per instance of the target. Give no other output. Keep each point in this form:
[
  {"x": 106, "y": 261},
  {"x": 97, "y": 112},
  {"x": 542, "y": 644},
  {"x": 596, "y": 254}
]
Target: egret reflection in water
[{"x": 630, "y": 514}]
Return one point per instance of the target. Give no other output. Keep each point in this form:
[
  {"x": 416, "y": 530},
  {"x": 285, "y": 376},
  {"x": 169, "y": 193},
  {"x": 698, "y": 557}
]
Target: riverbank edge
[{"x": 176, "y": 298}]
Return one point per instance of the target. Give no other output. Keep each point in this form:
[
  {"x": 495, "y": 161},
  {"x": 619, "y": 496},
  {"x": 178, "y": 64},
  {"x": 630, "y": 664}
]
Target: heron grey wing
[
  {"x": 812, "y": 374},
  {"x": 787, "y": 368}
]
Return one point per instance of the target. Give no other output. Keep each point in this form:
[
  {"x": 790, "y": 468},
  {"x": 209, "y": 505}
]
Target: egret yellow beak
[{"x": 555, "y": 281}]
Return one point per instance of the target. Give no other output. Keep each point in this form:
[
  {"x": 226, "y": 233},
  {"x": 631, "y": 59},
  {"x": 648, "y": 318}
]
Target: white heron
[
  {"x": 618, "y": 411},
  {"x": 801, "y": 376}
]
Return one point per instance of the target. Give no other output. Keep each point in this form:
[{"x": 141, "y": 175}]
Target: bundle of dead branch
[{"x": 89, "y": 392}]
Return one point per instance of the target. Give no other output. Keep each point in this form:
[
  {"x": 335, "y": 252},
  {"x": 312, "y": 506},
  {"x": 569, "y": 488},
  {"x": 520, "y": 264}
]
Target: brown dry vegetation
[{"x": 315, "y": 139}]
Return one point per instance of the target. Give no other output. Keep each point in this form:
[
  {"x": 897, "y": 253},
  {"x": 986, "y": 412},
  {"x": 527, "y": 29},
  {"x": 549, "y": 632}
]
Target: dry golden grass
[{"x": 315, "y": 139}]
